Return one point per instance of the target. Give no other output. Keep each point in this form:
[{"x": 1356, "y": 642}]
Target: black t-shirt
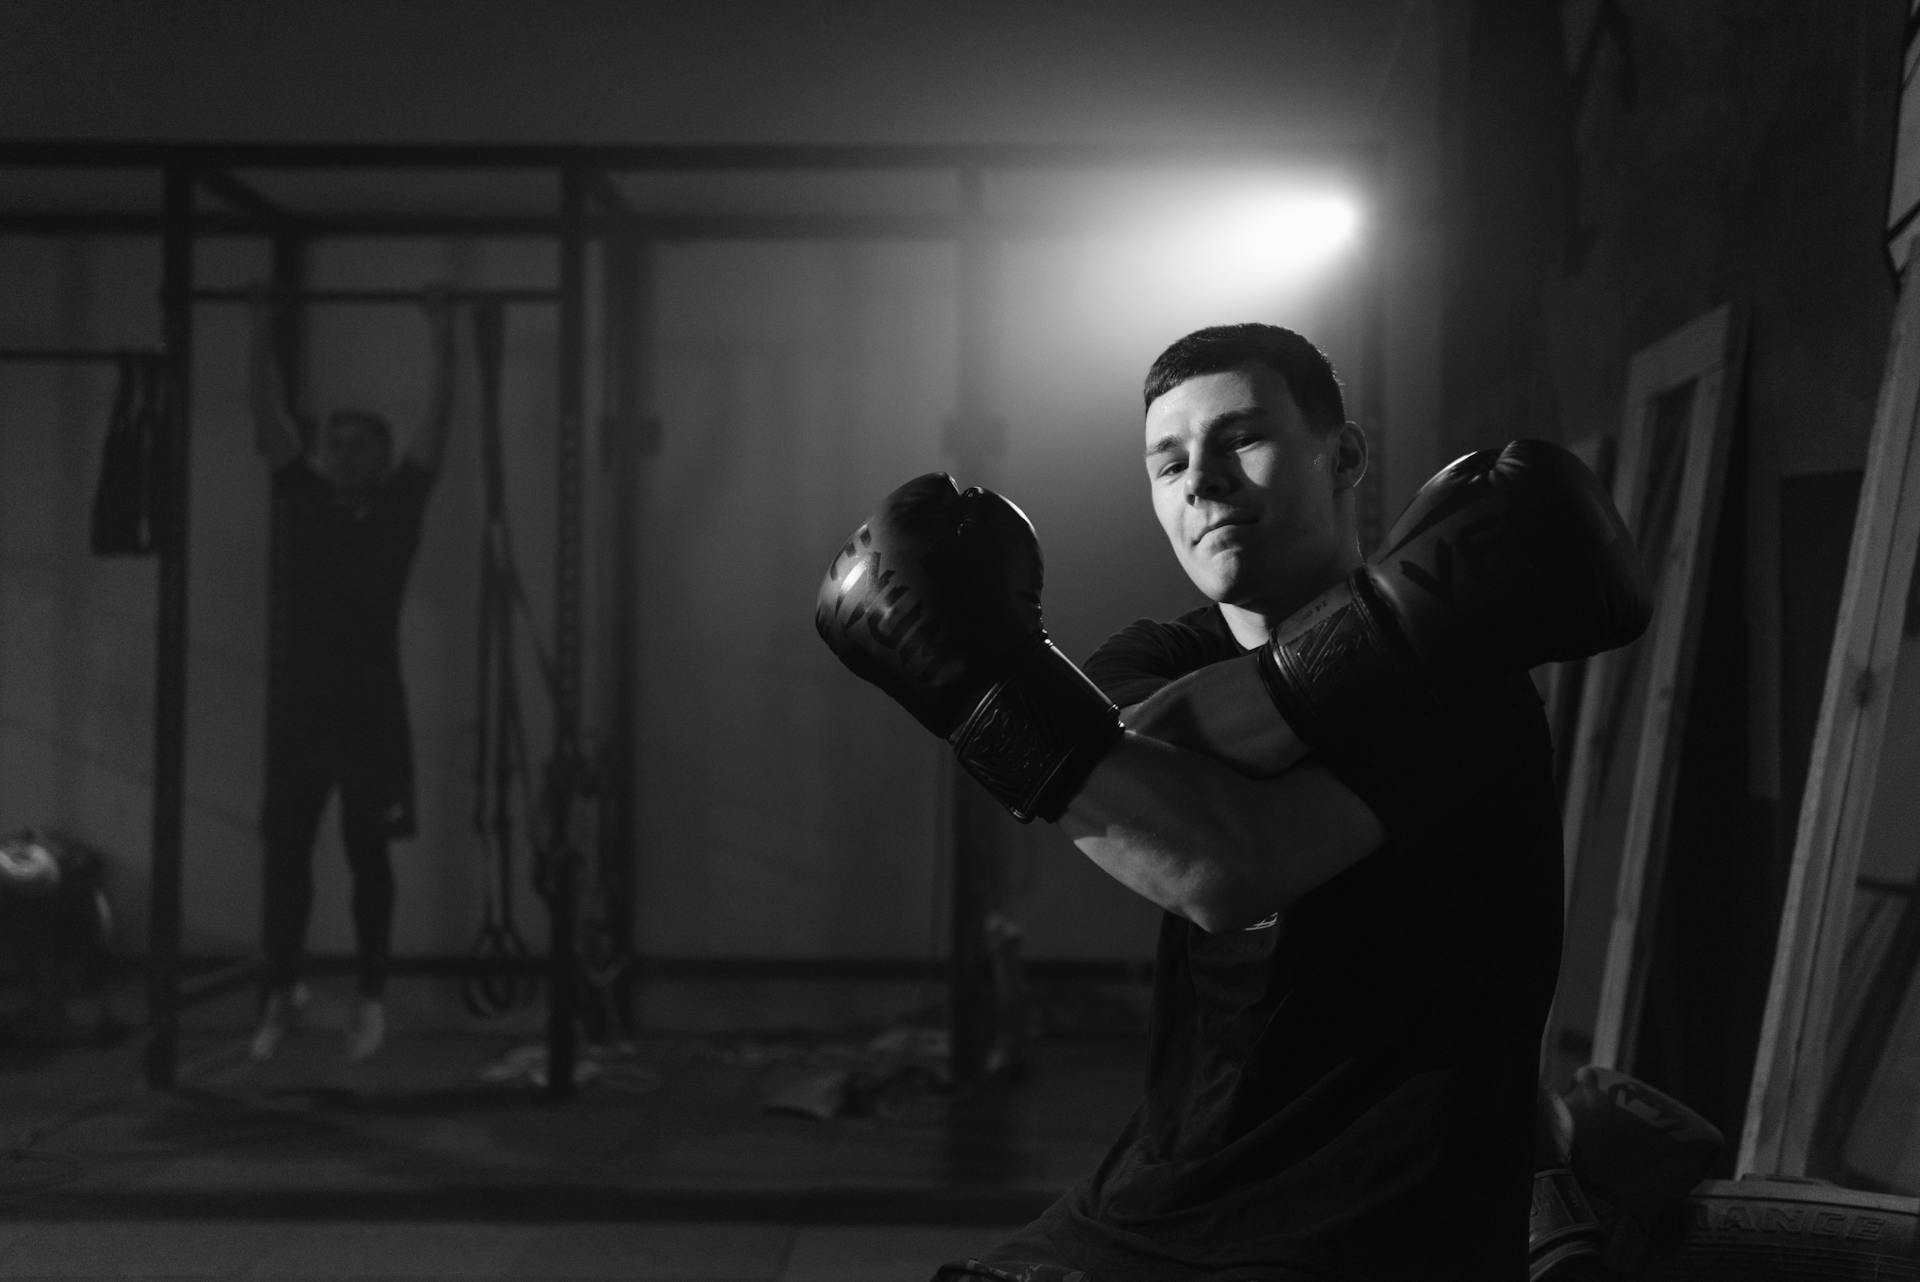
[
  {"x": 1348, "y": 1092},
  {"x": 346, "y": 572}
]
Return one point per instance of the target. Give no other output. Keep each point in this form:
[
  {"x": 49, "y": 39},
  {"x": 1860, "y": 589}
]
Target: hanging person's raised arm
[
  {"x": 275, "y": 433},
  {"x": 428, "y": 444}
]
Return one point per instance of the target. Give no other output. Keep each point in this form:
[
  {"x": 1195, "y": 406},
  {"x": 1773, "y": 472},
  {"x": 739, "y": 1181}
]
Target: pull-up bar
[
  {"x": 74, "y": 355},
  {"x": 411, "y": 297}
]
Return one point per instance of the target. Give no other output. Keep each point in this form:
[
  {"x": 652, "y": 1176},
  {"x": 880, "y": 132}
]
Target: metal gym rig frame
[{"x": 592, "y": 206}]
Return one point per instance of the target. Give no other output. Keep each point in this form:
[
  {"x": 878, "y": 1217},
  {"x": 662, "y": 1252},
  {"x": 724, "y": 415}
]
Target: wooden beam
[
  {"x": 1707, "y": 355},
  {"x": 1609, "y": 722},
  {"x": 1790, "y": 1062}
]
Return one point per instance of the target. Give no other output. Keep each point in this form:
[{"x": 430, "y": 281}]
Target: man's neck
[
  {"x": 1250, "y": 626},
  {"x": 1253, "y": 623}
]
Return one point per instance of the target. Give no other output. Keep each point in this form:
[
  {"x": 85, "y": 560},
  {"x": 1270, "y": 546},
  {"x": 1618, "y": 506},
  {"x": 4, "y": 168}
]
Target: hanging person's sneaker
[
  {"x": 278, "y": 1017},
  {"x": 367, "y": 1030}
]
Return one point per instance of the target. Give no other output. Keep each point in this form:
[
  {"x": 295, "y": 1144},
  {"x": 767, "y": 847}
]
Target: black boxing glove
[
  {"x": 1564, "y": 1232},
  {"x": 936, "y": 600},
  {"x": 1637, "y": 1151},
  {"x": 1506, "y": 559}
]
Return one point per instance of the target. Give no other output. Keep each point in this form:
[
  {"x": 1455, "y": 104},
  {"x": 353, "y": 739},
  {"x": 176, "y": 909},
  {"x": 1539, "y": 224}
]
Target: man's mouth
[{"x": 1224, "y": 522}]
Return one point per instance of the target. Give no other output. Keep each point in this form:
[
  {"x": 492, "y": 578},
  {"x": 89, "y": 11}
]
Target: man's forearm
[
  {"x": 1222, "y": 711},
  {"x": 275, "y": 434},
  {"x": 1201, "y": 839}
]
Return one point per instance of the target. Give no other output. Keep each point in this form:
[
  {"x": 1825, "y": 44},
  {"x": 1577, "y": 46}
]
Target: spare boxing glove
[
  {"x": 1637, "y": 1151},
  {"x": 1563, "y": 1232},
  {"x": 1506, "y": 559},
  {"x": 936, "y": 600}
]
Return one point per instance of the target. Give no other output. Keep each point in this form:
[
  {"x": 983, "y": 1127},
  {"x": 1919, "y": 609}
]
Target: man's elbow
[
  {"x": 1220, "y": 903},
  {"x": 1225, "y": 918}
]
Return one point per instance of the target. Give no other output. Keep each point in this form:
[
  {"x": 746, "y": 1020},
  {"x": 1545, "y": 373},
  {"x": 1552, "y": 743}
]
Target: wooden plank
[
  {"x": 1611, "y": 722},
  {"x": 1903, "y": 193},
  {"x": 1594, "y": 731},
  {"x": 1563, "y": 685},
  {"x": 1670, "y": 363},
  {"x": 1707, "y": 354},
  {"x": 1789, "y": 1066}
]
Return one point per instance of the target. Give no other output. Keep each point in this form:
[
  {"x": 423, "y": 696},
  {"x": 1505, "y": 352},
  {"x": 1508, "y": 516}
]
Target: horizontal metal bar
[
  {"x": 305, "y": 296},
  {"x": 683, "y": 227},
  {"x": 647, "y": 967},
  {"x": 241, "y": 196},
  {"x": 73, "y": 355},
  {"x": 660, "y": 227},
  {"x": 633, "y": 158}
]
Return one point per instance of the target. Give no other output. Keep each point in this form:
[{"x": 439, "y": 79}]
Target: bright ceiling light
[{"x": 1273, "y": 238}]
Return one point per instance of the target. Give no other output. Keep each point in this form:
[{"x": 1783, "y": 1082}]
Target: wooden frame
[
  {"x": 1678, "y": 415},
  {"x": 1903, "y": 192},
  {"x": 1788, "y": 1086},
  {"x": 1562, "y": 685},
  {"x": 1790, "y": 1063}
]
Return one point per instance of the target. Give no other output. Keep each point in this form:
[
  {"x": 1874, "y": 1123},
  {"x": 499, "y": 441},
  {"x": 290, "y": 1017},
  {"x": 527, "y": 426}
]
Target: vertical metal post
[
  {"x": 289, "y": 340},
  {"x": 629, "y": 434},
  {"x": 564, "y": 773},
  {"x": 1371, "y": 516},
  {"x": 975, "y": 440},
  {"x": 170, "y": 648}
]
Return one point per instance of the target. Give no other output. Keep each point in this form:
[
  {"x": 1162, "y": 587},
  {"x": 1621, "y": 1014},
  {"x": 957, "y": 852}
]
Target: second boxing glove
[
  {"x": 936, "y": 600},
  {"x": 1506, "y": 559}
]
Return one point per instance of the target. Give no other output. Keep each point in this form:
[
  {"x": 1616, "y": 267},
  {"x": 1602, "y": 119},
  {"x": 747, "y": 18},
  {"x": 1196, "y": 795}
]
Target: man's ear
[{"x": 1349, "y": 450}]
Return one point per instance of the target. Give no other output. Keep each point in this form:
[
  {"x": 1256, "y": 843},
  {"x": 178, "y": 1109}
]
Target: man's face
[
  {"x": 354, "y": 454},
  {"x": 1245, "y": 490}
]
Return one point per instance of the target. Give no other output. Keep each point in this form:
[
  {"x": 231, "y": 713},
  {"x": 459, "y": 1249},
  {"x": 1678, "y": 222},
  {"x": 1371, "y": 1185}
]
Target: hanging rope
[
  {"x": 551, "y": 816},
  {"x": 125, "y": 501},
  {"x": 501, "y": 978}
]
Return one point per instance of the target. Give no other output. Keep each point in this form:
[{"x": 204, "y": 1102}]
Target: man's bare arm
[
  {"x": 1222, "y": 711},
  {"x": 275, "y": 433},
  {"x": 1203, "y": 840}
]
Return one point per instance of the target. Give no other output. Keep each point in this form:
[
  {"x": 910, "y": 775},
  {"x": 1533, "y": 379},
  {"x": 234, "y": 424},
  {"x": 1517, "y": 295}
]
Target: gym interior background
[{"x": 1542, "y": 190}]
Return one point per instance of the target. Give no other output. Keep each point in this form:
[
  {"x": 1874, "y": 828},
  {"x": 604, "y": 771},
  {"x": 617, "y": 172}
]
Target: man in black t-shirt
[
  {"x": 1335, "y": 779},
  {"x": 351, "y": 521},
  {"x": 1341, "y": 1064}
]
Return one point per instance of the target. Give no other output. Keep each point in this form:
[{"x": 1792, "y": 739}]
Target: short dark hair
[
  {"x": 375, "y": 423},
  {"x": 1309, "y": 374}
]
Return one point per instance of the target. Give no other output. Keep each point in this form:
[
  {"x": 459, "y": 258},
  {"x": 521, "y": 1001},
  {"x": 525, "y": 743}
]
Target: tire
[{"x": 1762, "y": 1229}]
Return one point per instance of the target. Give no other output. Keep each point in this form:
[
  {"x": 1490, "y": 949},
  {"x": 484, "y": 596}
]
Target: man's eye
[
  {"x": 1171, "y": 467},
  {"x": 1242, "y": 441}
]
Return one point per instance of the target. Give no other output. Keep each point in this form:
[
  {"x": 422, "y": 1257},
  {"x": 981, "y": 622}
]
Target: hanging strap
[
  {"x": 122, "y": 524},
  {"x": 500, "y": 980}
]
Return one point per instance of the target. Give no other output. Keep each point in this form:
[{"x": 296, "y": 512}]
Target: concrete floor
[{"x": 443, "y": 1158}]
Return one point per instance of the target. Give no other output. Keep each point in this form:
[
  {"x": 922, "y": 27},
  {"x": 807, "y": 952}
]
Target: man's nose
[{"x": 1206, "y": 477}]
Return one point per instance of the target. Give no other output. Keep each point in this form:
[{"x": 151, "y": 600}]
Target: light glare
[{"x": 1279, "y": 237}]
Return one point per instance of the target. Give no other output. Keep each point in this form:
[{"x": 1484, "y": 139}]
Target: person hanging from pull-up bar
[{"x": 352, "y": 522}]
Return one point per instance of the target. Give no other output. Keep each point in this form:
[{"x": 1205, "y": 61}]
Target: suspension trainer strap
[{"x": 500, "y": 981}]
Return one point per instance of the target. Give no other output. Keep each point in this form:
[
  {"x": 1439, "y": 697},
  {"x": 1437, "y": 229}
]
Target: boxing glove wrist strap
[
  {"x": 1338, "y": 668},
  {"x": 1036, "y": 735},
  {"x": 1562, "y": 1225}
]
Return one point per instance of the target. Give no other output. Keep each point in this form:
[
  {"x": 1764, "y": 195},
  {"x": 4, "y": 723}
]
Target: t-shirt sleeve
[{"x": 1147, "y": 654}]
